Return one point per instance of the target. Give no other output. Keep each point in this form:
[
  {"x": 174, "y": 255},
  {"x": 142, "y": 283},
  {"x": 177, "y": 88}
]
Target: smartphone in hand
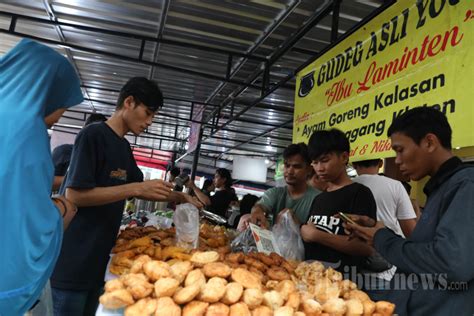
[{"x": 346, "y": 218}]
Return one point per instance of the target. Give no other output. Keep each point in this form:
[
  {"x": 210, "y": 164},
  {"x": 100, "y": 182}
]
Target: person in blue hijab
[{"x": 37, "y": 84}]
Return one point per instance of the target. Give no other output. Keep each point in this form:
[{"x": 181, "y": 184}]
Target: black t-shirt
[
  {"x": 100, "y": 159},
  {"x": 220, "y": 201},
  {"x": 61, "y": 158},
  {"x": 351, "y": 199}
]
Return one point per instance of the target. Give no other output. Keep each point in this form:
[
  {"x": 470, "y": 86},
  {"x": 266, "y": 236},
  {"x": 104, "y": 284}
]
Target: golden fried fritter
[
  {"x": 112, "y": 285},
  {"x": 180, "y": 270},
  {"x": 165, "y": 306},
  {"x": 186, "y": 294},
  {"x": 118, "y": 270},
  {"x": 294, "y": 300},
  {"x": 239, "y": 309},
  {"x": 233, "y": 292},
  {"x": 216, "y": 269},
  {"x": 195, "y": 308},
  {"x": 195, "y": 277},
  {"x": 140, "y": 289},
  {"x": 369, "y": 307},
  {"x": 171, "y": 252},
  {"x": 272, "y": 284},
  {"x": 156, "y": 269},
  {"x": 357, "y": 294},
  {"x": 137, "y": 264},
  {"x": 335, "y": 306},
  {"x": 384, "y": 308},
  {"x": 213, "y": 290},
  {"x": 266, "y": 259},
  {"x": 217, "y": 309},
  {"x": 284, "y": 311},
  {"x": 253, "y": 298},
  {"x": 128, "y": 278},
  {"x": 286, "y": 287},
  {"x": 346, "y": 286},
  {"x": 262, "y": 311},
  {"x": 246, "y": 278},
  {"x": 116, "y": 299},
  {"x": 252, "y": 262},
  {"x": 312, "y": 307},
  {"x": 272, "y": 299},
  {"x": 166, "y": 287},
  {"x": 354, "y": 307},
  {"x": 144, "y": 307},
  {"x": 278, "y": 274},
  {"x": 201, "y": 258},
  {"x": 237, "y": 257}
]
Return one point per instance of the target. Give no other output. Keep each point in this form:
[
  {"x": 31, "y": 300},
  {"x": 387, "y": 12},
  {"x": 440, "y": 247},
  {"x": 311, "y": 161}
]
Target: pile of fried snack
[
  {"x": 240, "y": 284},
  {"x": 160, "y": 244}
]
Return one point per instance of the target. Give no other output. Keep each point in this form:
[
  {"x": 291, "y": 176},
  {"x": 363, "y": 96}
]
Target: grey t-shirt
[{"x": 277, "y": 199}]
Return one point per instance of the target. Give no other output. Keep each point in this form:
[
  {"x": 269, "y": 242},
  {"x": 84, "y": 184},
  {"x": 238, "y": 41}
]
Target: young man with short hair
[
  {"x": 297, "y": 195},
  {"x": 437, "y": 259},
  {"x": 323, "y": 235},
  {"x": 102, "y": 174}
]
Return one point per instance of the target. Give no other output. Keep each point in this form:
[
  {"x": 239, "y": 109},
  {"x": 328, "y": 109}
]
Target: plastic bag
[
  {"x": 186, "y": 221},
  {"x": 159, "y": 222},
  {"x": 288, "y": 238},
  {"x": 244, "y": 242}
]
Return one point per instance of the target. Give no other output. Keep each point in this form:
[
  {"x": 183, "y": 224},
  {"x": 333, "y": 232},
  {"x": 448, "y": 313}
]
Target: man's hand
[
  {"x": 257, "y": 217},
  {"x": 190, "y": 184},
  {"x": 155, "y": 190},
  {"x": 364, "y": 232},
  {"x": 362, "y": 220},
  {"x": 309, "y": 233}
]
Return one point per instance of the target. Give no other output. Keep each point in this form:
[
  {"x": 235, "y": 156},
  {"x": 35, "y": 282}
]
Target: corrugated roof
[{"x": 210, "y": 52}]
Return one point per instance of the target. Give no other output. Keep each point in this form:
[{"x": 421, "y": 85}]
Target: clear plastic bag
[
  {"x": 244, "y": 242},
  {"x": 287, "y": 236},
  {"x": 186, "y": 221}
]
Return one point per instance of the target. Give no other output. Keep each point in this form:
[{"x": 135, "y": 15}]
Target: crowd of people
[{"x": 382, "y": 235}]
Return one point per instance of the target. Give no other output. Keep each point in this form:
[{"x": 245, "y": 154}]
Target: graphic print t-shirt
[{"x": 351, "y": 199}]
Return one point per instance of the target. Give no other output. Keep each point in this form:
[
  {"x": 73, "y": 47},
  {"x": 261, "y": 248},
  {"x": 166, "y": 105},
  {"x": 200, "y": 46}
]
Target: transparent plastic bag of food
[
  {"x": 186, "y": 221},
  {"x": 244, "y": 242},
  {"x": 287, "y": 235}
]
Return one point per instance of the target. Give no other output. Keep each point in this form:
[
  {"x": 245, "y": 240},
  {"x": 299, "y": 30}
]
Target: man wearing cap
[{"x": 102, "y": 175}]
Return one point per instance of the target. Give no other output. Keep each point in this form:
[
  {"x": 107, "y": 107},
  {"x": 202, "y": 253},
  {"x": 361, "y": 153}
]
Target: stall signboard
[{"x": 414, "y": 53}]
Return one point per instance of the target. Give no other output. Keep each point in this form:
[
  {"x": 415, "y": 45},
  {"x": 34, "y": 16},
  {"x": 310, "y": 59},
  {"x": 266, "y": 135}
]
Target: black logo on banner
[{"x": 306, "y": 85}]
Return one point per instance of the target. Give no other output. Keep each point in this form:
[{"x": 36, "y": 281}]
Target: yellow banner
[{"x": 415, "y": 53}]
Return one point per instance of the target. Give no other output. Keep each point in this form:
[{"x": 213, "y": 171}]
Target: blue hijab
[{"x": 35, "y": 81}]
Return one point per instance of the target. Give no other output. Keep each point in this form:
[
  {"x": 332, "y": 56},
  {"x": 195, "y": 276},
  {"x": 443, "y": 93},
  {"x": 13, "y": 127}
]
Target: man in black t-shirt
[
  {"x": 323, "y": 235},
  {"x": 102, "y": 174}
]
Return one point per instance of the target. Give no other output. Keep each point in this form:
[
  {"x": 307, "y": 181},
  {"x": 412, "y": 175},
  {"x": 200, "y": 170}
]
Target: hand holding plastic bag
[
  {"x": 287, "y": 236},
  {"x": 186, "y": 221}
]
